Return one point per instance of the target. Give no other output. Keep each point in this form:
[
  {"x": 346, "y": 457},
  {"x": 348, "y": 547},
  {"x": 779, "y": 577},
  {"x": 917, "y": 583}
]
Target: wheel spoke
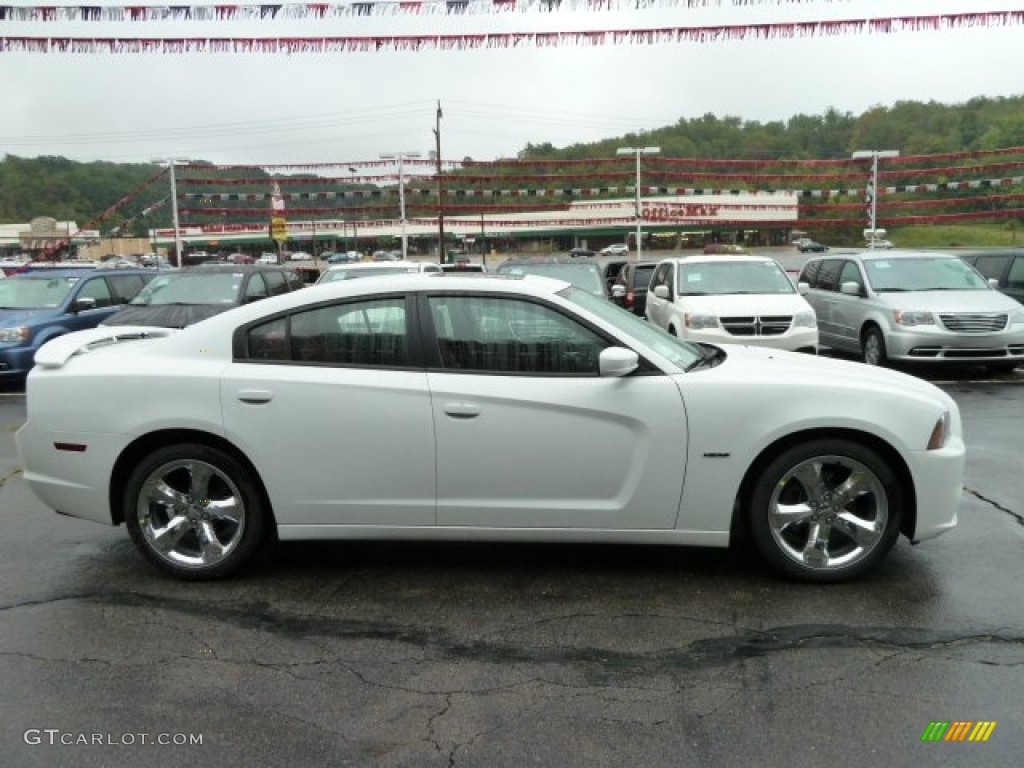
[
  {"x": 162, "y": 493},
  {"x": 809, "y": 477},
  {"x": 857, "y": 483},
  {"x": 865, "y": 533},
  {"x": 226, "y": 510},
  {"x": 200, "y": 475},
  {"x": 816, "y": 549},
  {"x": 167, "y": 538},
  {"x": 785, "y": 515},
  {"x": 210, "y": 548}
]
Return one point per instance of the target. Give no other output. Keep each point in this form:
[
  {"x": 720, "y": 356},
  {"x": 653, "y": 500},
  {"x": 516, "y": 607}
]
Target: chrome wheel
[
  {"x": 191, "y": 513},
  {"x": 195, "y": 511},
  {"x": 828, "y": 512}
]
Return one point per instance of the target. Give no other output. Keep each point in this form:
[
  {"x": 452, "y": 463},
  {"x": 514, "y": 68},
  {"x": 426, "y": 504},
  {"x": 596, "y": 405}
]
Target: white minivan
[{"x": 732, "y": 299}]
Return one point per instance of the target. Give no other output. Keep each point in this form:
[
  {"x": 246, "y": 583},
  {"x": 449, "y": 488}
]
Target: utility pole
[
  {"x": 174, "y": 207},
  {"x": 355, "y": 230},
  {"x": 400, "y": 156},
  {"x": 874, "y": 154},
  {"x": 440, "y": 189}
]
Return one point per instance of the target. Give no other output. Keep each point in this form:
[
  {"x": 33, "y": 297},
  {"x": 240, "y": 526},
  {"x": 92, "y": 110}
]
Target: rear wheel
[
  {"x": 194, "y": 511},
  {"x": 873, "y": 347},
  {"x": 826, "y": 510}
]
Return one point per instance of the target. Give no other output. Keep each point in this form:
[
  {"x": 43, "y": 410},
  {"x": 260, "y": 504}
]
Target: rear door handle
[
  {"x": 462, "y": 410},
  {"x": 255, "y": 396}
]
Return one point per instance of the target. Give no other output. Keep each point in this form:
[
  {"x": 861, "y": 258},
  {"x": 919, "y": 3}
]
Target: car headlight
[
  {"x": 904, "y": 317},
  {"x": 21, "y": 333},
  {"x": 940, "y": 432},
  {"x": 805, "y": 320},
  {"x": 698, "y": 322}
]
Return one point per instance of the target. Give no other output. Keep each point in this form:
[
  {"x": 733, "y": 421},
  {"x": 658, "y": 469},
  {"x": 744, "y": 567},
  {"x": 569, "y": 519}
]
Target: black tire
[
  {"x": 218, "y": 514},
  {"x": 795, "y": 502},
  {"x": 873, "y": 347}
]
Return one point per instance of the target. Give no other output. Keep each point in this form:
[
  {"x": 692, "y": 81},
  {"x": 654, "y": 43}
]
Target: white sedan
[{"x": 480, "y": 408}]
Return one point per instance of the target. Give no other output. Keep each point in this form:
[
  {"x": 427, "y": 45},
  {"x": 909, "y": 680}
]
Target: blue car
[{"x": 40, "y": 304}]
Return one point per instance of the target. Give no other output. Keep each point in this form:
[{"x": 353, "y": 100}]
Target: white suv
[{"x": 731, "y": 299}]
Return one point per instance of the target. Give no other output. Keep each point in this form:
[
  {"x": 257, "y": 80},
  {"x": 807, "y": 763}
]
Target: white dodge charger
[{"x": 467, "y": 407}]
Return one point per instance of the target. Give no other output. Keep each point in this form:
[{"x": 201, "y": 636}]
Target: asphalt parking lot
[{"x": 407, "y": 654}]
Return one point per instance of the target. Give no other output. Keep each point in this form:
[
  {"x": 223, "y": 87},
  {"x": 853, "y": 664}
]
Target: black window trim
[
  {"x": 432, "y": 354},
  {"x": 240, "y": 337}
]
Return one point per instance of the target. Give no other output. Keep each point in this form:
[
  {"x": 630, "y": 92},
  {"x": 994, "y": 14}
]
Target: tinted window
[
  {"x": 269, "y": 341},
  {"x": 276, "y": 283},
  {"x": 509, "y": 335},
  {"x": 125, "y": 287},
  {"x": 256, "y": 288},
  {"x": 810, "y": 273},
  {"x": 365, "y": 333},
  {"x": 642, "y": 275},
  {"x": 991, "y": 266},
  {"x": 828, "y": 275},
  {"x": 97, "y": 289}
]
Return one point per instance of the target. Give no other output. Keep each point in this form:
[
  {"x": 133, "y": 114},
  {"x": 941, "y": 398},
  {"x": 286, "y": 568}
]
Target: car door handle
[
  {"x": 255, "y": 396},
  {"x": 462, "y": 410}
]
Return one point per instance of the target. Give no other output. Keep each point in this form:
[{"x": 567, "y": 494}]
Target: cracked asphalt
[{"x": 366, "y": 654}]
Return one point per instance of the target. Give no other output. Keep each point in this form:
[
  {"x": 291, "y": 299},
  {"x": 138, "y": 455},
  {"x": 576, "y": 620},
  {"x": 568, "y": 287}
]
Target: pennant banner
[
  {"x": 497, "y": 40},
  {"x": 321, "y": 11}
]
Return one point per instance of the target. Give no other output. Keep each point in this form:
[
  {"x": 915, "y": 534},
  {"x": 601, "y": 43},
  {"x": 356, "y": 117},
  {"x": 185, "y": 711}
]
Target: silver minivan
[{"x": 913, "y": 306}]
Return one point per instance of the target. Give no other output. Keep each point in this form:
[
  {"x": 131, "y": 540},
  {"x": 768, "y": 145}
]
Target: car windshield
[
  {"x": 582, "y": 275},
  {"x": 191, "y": 288},
  {"x": 333, "y": 275},
  {"x": 927, "y": 273},
  {"x": 681, "y": 353},
  {"x": 35, "y": 292},
  {"x": 716, "y": 278}
]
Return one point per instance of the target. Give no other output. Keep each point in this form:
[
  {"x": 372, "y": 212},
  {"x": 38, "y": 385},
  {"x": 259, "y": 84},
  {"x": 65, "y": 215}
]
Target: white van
[{"x": 732, "y": 299}]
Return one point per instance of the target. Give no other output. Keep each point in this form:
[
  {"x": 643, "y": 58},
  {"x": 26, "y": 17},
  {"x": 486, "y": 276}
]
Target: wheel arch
[
  {"x": 134, "y": 452},
  {"x": 737, "y": 530}
]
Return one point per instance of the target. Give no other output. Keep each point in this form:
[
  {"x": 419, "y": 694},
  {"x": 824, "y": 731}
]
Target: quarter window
[
  {"x": 509, "y": 335},
  {"x": 1016, "y": 277}
]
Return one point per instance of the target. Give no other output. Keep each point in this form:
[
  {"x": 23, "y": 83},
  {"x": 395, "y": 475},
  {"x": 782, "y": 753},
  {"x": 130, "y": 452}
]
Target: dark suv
[
  {"x": 180, "y": 298},
  {"x": 43, "y": 303},
  {"x": 629, "y": 288},
  {"x": 1004, "y": 266}
]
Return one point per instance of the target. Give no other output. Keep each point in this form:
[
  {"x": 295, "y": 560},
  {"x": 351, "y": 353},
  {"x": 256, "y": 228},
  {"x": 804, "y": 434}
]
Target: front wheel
[
  {"x": 874, "y": 348},
  {"x": 827, "y": 510},
  {"x": 194, "y": 511}
]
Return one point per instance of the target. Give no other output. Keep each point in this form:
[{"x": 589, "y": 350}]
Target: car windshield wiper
[{"x": 707, "y": 355}]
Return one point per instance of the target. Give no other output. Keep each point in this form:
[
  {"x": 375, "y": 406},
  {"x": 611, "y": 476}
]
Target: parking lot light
[
  {"x": 874, "y": 154},
  {"x": 638, "y": 151}
]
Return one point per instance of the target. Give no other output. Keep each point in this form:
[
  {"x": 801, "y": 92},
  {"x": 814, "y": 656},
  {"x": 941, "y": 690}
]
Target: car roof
[
  {"x": 399, "y": 265},
  {"x": 229, "y": 268},
  {"x": 79, "y": 271},
  {"x": 524, "y": 260},
  {"x": 715, "y": 258},
  {"x": 886, "y": 254}
]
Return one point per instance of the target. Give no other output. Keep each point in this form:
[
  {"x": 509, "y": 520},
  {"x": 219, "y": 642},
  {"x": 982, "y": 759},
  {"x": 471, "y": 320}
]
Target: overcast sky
[{"x": 346, "y": 107}]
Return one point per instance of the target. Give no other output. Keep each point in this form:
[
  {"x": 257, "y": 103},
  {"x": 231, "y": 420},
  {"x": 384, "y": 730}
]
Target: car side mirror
[
  {"x": 83, "y": 304},
  {"x": 803, "y": 288},
  {"x": 616, "y": 362},
  {"x": 851, "y": 288},
  {"x": 618, "y": 291},
  {"x": 993, "y": 282},
  {"x": 661, "y": 291}
]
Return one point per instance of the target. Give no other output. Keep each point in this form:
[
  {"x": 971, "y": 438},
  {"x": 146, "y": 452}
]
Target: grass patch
[{"x": 953, "y": 235}]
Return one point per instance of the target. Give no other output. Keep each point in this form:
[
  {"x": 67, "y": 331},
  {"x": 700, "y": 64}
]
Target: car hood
[
  {"x": 950, "y": 301},
  {"x": 731, "y": 305},
  {"x": 781, "y": 367},
  {"x": 14, "y": 317},
  {"x": 165, "y": 315}
]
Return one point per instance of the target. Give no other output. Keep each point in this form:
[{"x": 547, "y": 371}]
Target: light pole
[
  {"x": 400, "y": 156},
  {"x": 638, "y": 151},
  {"x": 355, "y": 231},
  {"x": 874, "y": 154},
  {"x": 174, "y": 206}
]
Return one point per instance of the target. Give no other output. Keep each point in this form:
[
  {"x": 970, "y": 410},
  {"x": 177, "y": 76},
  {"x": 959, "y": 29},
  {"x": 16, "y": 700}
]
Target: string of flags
[
  {"x": 504, "y": 40},
  {"x": 324, "y": 11}
]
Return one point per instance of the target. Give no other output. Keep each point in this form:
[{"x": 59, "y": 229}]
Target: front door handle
[
  {"x": 255, "y": 396},
  {"x": 462, "y": 410}
]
